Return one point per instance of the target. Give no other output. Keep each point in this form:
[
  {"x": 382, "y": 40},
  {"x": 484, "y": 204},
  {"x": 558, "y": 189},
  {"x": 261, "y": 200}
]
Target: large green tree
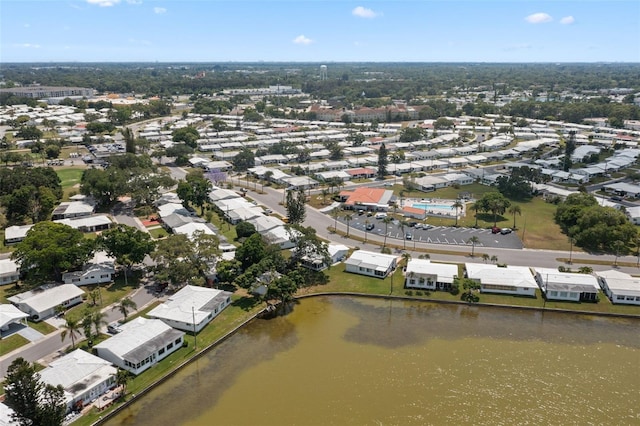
[
  {"x": 243, "y": 160},
  {"x": 127, "y": 245},
  {"x": 51, "y": 248},
  {"x": 195, "y": 189},
  {"x": 495, "y": 203},
  {"x": 296, "y": 206},
  {"x": 34, "y": 403},
  {"x": 383, "y": 161}
]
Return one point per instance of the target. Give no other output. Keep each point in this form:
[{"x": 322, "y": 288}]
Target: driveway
[{"x": 23, "y": 330}]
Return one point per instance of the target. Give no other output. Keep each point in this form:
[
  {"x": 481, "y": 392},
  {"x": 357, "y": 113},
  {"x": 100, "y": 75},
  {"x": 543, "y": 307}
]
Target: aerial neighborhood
[{"x": 140, "y": 228}]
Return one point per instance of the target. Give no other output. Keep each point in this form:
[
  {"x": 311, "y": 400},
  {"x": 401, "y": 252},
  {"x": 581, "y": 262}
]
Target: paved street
[
  {"x": 53, "y": 344},
  {"x": 518, "y": 256}
]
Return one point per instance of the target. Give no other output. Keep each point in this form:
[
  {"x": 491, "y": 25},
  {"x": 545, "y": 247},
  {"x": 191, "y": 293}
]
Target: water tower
[{"x": 323, "y": 72}]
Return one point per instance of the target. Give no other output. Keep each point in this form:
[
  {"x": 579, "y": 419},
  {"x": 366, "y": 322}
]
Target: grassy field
[
  {"x": 12, "y": 343},
  {"x": 158, "y": 232},
  {"x": 69, "y": 178}
]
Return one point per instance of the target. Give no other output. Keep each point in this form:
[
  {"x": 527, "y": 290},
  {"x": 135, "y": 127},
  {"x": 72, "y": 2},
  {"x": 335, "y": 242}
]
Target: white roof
[
  {"x": 334, "y": 249},
  {"x": 16, "y": 231},
  {"x": 189, "y": 302},
  {"x": 42, "y": 299},
  {"x": 189, "y": 229},
  {"x": 140, "y": 333},
  {"x": 445, "y": 272},
  {"x": 77, "y": 372},
  {"x": 264, "y": 223},
  {"x": 74, "y": 208},
  {"x": 566, "y": 281},
  {"x": 619, "y": 282},
  {"x": 8, "y": 266},
  {"x": 487, "y": 273},
  {"x": 6, "y": 416},
  {"x": 371, "y": 260},
  {"x": 168, "y": 209},
  {"x": 9, "y": 314},
  {"x": 86, "y": 221}
]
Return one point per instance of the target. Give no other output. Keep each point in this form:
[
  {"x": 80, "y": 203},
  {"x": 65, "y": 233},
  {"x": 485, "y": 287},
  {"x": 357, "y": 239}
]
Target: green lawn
[
  {"x": 69, "y": 177},
  {"x": 42, "y": 327},
  {"x": 158, "y": 233},
  {"x": 12, "y": 343}
]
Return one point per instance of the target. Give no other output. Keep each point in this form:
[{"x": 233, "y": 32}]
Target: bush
[
  {"x": 419, "y": 293},
  {"x": 455, "y": 289},
  {"x": 385, "y": 250},
  {"x": 409, "y": 293}
]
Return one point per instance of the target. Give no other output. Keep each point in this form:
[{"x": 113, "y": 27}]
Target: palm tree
[
  {"x": 457, "y": 205},
  {"x": 485, "y": 257},
  {"x": 515, "y": 210},
  {"x": 122, "y": 378},
  {"x": 406, "y": 256},
  {"x": 71, "y": 328},
  {"x": 401, "y": 197},
  {"x": 348, "y": 218},
  {"x": 98, "y": 320},
  {"x": 494, "y": 258},
  {"x": 404, "y": 239},
  {"x": 387, "y": 220},
  {"x": 366, "y": 229},
  {"x": 475, "y": 207},
  {"x": 335, "y": 212},
  {"x": 473, "y": 241},
  {"x": 125, "y": 306},
  {"x": 324, "y": 193}
]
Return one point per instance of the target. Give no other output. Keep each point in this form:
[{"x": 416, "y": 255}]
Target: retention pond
[{"x": 353, "y": 361}]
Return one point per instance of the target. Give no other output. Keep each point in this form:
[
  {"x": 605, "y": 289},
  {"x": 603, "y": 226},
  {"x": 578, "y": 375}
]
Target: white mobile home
[
  {"x": 516, "y": 280},
  {"x": 567, "y": 285},
  {"x": 370, "y": 263},
  {"x": 192, "y": 308},
  {"x": 619, "y": 287},
  {"x": 424, "y": 274},
  {"x": 140, "y": 344},
  {"x": 42, "y": 302}
]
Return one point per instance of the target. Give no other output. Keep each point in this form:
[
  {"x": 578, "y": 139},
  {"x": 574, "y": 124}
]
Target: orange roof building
[{"x": 367, "y": 198}]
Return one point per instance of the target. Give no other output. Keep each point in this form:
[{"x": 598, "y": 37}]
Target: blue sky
[{"x": 319, "y": 31}]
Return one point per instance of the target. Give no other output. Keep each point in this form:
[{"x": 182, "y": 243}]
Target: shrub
[{"x": 409, "y": 293}]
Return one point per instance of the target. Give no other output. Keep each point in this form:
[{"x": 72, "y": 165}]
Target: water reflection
[{"x": 363, "y": 361}]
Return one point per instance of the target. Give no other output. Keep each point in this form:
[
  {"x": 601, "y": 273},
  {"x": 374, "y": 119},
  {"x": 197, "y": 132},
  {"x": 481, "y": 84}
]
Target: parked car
[
  {"x": 114, "y": 328},
  {"x": 381, "y": 215},
  {"x": 504, "y": 231},
  {"x": 369, "y": 226},
  {"x": 408, "y": 236},
  {"x": 495, "y": 230}
]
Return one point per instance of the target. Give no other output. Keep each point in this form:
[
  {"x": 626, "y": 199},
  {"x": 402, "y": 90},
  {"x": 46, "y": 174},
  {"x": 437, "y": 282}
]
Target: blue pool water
[{"x": 432, "y": 206}]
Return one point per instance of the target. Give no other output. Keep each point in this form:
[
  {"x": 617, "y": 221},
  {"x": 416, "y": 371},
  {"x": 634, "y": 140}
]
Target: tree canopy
[{"x": 51, "y": 248}]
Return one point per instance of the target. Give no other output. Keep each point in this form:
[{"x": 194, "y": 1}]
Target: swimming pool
[{"x": 425, "y": 206}]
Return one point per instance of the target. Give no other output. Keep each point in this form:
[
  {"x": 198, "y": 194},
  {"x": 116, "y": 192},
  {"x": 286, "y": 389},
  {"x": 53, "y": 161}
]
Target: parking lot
[{"x": 437, "y": 234}]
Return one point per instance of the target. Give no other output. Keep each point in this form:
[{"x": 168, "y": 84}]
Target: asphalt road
[
  {"x": 53, "y": 344},
  {"x": 272, "y": 198}
]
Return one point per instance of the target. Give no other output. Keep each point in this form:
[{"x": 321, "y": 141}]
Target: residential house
[
  {"x": 43, "y": 302},
  {"x": 619, "y": 287},
  {"x": 88, "y": 223},
  {"x": 365, "y": 198},
  {"x": 9, "y": 314},
  {"x": 515, "y": 280},
  {"x": 568, "y": 286},
  {"x": 426, "y": 275},
  {"x": 100, "y": 269},
  {"x": 140, "y": 344},
  {"x": 16, "y": 233},
  {"x": 83, "y": 376},
  {"x": 370, "y": 263},
  {"x": 337, "y": 252},
  {"x": 191, "y": 308},
  {"x": 71, "y": 209},
  {"x": 9, "y": 272}
]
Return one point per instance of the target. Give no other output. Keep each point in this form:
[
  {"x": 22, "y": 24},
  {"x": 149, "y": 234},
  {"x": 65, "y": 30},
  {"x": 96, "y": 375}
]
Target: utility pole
[{"x": 195, "y": 336}]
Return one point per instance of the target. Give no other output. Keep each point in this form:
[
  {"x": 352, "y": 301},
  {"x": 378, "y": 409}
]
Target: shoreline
[{"x": 134, "y": 397}]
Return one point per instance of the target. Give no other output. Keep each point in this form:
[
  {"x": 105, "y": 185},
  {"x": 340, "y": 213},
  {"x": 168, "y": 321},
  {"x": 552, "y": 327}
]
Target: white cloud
[
  {"x": 159, "y": 10},
  {"x": 363, "y": 12},
  {"x": 104, "y": 3},
  {"x": 301, "y": 39},
  {"x": 134, "y": 1},
  {"x": 539, "y": 18},
  {"x": 27, "y": 46},
  {"x": 567, "y": 20}
]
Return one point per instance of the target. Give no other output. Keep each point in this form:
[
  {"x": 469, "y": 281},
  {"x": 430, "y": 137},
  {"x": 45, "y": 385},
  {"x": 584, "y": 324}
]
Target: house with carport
[
  {"x": 140, "y": 344},
  {"x": 372, "y": 264},
  {"x": 423, "y": 274},
  {"x": 567, "y": 286},
  {"x": 514, "y": 280},
  {"x": 620, "y": 288},
  {"x": 9, "y": 272},
  {"x": 9, "y": 315},
  {"x": 43, "y": 302},
  {"x": 191, "y": 308},
  {"x": 83, "y": 376},
  {"x": 99, "y": 270}
]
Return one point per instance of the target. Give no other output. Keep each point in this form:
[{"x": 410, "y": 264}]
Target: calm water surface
[{"x": 346, "y": 361}]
